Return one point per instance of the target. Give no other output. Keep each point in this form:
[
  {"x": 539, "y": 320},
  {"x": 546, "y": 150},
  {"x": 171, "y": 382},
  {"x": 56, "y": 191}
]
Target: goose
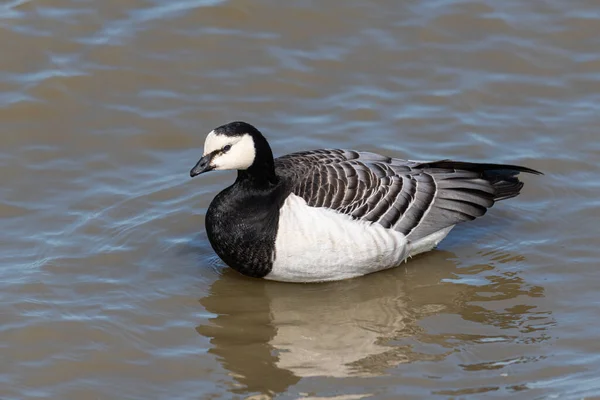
[{"x": 332, "y": 214}]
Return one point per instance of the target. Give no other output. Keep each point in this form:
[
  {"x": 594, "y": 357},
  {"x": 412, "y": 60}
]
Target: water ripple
[{"x": 110, "y": 288}]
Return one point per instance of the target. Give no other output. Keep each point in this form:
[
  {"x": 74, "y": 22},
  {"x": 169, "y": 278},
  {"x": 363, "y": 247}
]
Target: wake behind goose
[{"x": 326, "y": 215}]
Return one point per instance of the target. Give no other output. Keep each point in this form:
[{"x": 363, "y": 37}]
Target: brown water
[{"x": 110, "y": 290}]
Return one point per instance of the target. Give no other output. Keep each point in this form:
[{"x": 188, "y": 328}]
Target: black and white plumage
[{"x": 326, "y": 215}]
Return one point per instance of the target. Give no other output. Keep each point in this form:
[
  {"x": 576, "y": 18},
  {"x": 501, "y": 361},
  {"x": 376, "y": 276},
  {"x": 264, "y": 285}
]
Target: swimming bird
[{"x": 331, "y": 214}]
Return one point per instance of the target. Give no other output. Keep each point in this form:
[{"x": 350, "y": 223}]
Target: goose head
[{"x": 233, "y": 146}]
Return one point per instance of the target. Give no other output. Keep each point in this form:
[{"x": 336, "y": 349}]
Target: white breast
[{"x": 319, "y": 244}]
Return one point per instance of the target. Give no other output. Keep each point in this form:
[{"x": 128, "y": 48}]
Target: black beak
[{"x": 203, "y": 165}]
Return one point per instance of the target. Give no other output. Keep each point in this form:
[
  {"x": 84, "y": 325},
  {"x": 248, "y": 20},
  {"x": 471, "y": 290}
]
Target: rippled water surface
[{"x": 110, "y": 290}]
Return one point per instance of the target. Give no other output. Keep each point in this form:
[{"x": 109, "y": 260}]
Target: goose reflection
[{"x": 269, "y": 335}]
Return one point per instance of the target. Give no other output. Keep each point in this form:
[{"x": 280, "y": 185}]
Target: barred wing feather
[{"x": 413, "y": 197}]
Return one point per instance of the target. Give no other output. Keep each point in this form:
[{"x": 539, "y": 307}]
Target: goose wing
[{"x": 415, "y": 198}]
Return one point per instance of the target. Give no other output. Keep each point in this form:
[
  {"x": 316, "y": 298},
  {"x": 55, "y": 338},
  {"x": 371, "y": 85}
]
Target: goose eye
[{"x": 227, "y": 147}]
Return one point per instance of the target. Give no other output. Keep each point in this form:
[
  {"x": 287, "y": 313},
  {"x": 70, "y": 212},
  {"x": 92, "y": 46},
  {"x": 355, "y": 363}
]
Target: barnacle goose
[{"x": 326, "y": 215}]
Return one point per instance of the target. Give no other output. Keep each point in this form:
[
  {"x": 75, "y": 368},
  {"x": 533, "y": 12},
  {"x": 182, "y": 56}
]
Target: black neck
[{"x": 261, "y": 174}]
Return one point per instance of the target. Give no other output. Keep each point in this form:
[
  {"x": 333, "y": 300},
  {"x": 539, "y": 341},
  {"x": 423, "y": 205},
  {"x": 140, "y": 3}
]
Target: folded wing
[{"x": 412, "y": 197}]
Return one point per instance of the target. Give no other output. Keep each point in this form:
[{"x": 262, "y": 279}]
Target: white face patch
[{"x": 239, "y": 156}]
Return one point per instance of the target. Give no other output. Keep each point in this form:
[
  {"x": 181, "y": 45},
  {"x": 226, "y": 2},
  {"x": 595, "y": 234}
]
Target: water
[{"x": 109, "y": 288}]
